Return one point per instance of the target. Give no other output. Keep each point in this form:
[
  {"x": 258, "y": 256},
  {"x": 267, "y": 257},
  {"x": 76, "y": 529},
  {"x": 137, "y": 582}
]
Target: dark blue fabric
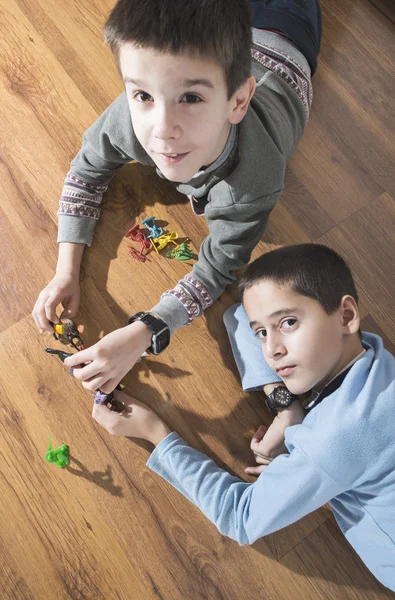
[{"x": 300, "y": 20}]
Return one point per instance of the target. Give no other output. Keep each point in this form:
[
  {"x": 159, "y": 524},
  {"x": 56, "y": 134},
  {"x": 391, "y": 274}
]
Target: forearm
[
  {"x": 69, "y": 258},
  {"x": 201, "y": 481}
]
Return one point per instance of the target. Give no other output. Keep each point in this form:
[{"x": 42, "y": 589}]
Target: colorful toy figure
[
  {"x": 139, "y": 256},
  {"x": 109, "y": 400},
  {"x": 168, "y": 237},
  {"x": 153, "y": 228},
  {"x": 67, "y": 333},
  {"x": 60, "y": 456},
  {"x": 137, "y": 235},
  {"x": 182, "y": 252}
]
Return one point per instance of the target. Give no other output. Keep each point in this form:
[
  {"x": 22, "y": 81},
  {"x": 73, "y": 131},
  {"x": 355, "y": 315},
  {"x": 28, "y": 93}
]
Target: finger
[
  {"x": 255, "y": 470},
  {"x": 261, "y": 459},
  {"x": 84, "y": 356},
  {"x": 258, "y": 435},
  {"x": 41, "y": 319},
  {"x": 102, "y": 415},
  {"x": 257, "y": 448},
  {"x": 35, "y": 316},
  {"x": 107, "y": 418},
  {"x": 95, "y": 383},
  {"x": 108, "y": 386},
  {"x": 50, "y": 308},
  {"x": 86, "y": 372}
]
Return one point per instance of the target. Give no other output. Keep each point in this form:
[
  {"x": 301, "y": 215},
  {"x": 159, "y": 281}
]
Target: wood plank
[
  {"x": 366, "y": 241},
  {"x": 334, "y": 569}
]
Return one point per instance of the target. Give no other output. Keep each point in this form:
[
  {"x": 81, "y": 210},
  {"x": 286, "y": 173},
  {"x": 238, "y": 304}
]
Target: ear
[
  {"x": 351, "y": 320},
  {"x": 240, "y": 100}
]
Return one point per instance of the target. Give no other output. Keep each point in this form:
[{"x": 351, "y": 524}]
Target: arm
[
  {"x": 107, "y": 145},
  {"x": 290, "y": 488},
  {"x": 234, "y": 231}
]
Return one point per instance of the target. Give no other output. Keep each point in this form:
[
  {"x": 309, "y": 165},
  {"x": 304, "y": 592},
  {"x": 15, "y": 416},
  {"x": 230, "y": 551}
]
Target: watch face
[
  {"x": 160, "y": 341},
  {"x": 283, "y": 397}
]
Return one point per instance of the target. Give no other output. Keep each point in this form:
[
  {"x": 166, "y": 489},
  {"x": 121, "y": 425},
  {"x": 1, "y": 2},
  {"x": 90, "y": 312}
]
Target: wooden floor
[{"x": 107, "y": 527}]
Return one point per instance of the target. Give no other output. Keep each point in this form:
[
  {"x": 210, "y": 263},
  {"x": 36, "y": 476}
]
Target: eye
[
  {"x": 261, "y": 334},
  {"x": 142, "y": 97},
  {"x": 288, "y": 323},
  {"x": 191, "y": 99}
]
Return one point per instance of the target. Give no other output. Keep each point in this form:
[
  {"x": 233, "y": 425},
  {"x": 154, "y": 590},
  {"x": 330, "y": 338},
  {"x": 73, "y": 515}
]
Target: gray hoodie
[{"x": 236, "y": 193}]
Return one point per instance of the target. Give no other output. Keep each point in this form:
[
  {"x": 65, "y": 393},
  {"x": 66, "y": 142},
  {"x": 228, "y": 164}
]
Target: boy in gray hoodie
[{"x": 217, "y": 108}]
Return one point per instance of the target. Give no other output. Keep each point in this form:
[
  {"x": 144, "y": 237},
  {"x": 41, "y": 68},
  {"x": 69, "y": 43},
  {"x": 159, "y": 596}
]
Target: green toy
[
  {"x": 60, "y": 456},
  {"x": 181, "y": 253}
]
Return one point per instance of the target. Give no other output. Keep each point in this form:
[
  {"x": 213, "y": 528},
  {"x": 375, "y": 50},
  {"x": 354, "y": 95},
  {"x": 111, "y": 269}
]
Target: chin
[
  {"x": 298, "y": 388},
  {"x": 175, "y": 177}
]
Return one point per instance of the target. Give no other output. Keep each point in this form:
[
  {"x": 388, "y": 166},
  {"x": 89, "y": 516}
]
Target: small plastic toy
[
  {"x": 67, "y": 333},
  {"x": 110, "y": 401},
  {"x": 139, "y": 256},
  {"x": 153, "y": 228},
  {"x": 60, "y": 456},
  {"x": 168, "y": 237},
  {"x": 182, "y": 252},
  {"x": 137, "y": 235}
]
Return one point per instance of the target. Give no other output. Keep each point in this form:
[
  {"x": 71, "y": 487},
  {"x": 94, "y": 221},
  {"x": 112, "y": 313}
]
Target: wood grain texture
[{"x": 106, "y": 527}]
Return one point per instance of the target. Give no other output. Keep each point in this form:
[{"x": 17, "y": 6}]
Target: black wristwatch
[
  {"x": 160, "y": 331},
  {"x": 280, "y": 397}
]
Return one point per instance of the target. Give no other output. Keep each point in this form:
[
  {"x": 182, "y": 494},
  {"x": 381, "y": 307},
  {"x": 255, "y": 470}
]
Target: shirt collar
[
  {"x": 222, "y": 157},
  {"x": 332, "y": 385}
]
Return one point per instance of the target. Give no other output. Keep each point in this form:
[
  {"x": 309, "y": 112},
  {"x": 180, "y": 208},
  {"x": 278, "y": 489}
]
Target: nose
[
  {"x": 166, "y": 125},
  {"x": 274, "y": 347}
]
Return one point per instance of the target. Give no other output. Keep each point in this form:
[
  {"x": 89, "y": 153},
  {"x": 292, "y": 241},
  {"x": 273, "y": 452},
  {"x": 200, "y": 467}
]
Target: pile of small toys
[{"x": 157, "y": 240}]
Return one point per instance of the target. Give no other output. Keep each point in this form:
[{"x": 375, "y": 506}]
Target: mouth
[
  {"x": 171, "y": 158},
  {"x": 286, "y": 371}
]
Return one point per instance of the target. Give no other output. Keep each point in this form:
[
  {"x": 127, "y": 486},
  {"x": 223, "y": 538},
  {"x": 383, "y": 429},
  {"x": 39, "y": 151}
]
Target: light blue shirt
[{"x": 342, "y": 453}]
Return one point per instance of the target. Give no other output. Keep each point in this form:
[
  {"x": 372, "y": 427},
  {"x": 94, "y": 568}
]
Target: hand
[
  {"x": 63, "y": 288},
  {"x": 267, "y": 443},
  {"x": 111, "y": 358},
  {"x": 137, "y": 420}
]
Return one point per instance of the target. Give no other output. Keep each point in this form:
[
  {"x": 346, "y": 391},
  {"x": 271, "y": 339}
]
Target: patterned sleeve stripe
[
  {"x": 72, "y": 194},
  {"x": 95, "y": 187},
  {"x": 191, "y": 306},
  {"x": 199, "y": 289},
  {"x": 289, "y": 71},
  {"x": 78, "y": 210}
]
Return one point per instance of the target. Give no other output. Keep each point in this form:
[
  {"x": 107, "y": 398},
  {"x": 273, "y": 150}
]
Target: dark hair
[
  {"x": 217, "y": 30},
  {"x": 311, "y": 270}
]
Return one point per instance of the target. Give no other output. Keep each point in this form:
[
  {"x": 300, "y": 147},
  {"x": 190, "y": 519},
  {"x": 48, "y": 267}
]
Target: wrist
[
  {"x": 269, "y": 387},
  {"x": 144, "y": 333},
  {"x": 159, "y": 433},
  {"x": 292, "y": 412}
]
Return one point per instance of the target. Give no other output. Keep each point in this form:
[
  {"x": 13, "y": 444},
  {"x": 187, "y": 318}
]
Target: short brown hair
[
  {"x": 312, "y": 270},
  {"x": 217, "y": 30}
]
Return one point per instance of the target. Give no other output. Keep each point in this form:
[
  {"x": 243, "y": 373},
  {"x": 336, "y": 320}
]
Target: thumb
[
  {"x": 255, "y": 470},
  {"x": 258, "y": 435}
]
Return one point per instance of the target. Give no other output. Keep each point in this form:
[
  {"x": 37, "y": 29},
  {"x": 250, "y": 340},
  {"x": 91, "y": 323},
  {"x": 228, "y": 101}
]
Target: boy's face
[
  {"x": 179, "y": 107},
  {"x": 300, "y": 341}
]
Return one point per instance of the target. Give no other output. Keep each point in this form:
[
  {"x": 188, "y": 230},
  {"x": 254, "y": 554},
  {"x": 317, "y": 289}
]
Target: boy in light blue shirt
[{"x": 299, "y": 325}]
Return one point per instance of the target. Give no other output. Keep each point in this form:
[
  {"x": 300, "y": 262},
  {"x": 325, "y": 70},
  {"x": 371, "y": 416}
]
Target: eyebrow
[
  {"x": 186, "y": 83},
  {"x": 278, "y": 313}
]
